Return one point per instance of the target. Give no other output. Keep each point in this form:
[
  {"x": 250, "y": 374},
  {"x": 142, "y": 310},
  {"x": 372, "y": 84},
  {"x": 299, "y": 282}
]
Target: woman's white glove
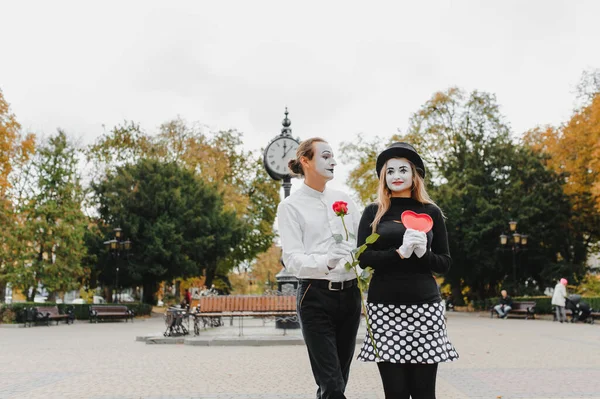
[
  {"x": 338, "y": 251},
  {"x": 421, "y": 248},
  {"x": 413, "y": 241}
]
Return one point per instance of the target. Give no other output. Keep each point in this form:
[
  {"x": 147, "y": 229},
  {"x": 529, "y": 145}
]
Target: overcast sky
[{"x": 342, "y": 68}]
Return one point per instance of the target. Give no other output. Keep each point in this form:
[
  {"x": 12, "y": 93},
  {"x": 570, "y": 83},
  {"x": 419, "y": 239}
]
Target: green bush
[
  {"x": 15, "y": 312},
  {"x": 594, "y": 302},
  {"x": 484, "y": 304},
  {"x": 543, "y": 304}
]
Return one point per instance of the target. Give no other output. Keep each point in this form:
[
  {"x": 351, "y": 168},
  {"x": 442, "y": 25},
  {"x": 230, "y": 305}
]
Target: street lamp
[
  {"x": 118, "y": 248},
  {"x": 519, "y": 241}
]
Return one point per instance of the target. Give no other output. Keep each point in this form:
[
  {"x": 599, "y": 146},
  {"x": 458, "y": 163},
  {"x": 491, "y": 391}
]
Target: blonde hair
[
  {"x": 305, "y": 149},
  {"x": 384, "y": 194}
]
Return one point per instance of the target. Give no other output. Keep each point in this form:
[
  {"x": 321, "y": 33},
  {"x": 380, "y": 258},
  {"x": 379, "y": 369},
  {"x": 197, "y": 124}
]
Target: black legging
[{"x": 404, "y": 381}]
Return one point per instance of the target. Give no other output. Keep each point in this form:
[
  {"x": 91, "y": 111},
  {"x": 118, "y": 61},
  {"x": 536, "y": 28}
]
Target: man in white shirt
[{"x": 328, "y": 296}]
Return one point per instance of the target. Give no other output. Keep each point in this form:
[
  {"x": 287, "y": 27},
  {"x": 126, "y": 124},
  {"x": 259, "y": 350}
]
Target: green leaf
[
  {"x": 348, "y": 266},
  {"x": 366, "y": 273},
  {"x": 338, "y": 238},
  {"x": 372, "y": 238},
  {"x": 360, "y": 250}
]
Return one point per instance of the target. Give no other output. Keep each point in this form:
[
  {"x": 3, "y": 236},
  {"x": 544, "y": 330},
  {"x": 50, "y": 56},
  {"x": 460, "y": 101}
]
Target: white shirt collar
[{"x": 312, "y": 192}]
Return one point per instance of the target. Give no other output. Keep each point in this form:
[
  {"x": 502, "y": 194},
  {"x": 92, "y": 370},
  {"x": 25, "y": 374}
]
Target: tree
[
  {"x": 483, "y": 181},
  {"x": 53, "y": 224},
  {"x": 573, "y": 150},
  {"x": 177, "y": 222},
  {"x": 258, "y": 276},
  {"x": 363, "y": 154},
  {"x": 589, "y": 85},
  {"x": 15, "y": 149},
  {"x": 218, "y": 159}
]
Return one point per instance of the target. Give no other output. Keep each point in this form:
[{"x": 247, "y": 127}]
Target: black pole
[
  {"x": 514, "y": 261},
  {"x": 117, "y": 285},
  {"x": 287, "y": 186}
]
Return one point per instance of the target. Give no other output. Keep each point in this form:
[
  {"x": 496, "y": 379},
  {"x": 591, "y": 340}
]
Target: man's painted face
[
  {"x": 398, "y": 174},
  {"x": 324, "y": 162}
]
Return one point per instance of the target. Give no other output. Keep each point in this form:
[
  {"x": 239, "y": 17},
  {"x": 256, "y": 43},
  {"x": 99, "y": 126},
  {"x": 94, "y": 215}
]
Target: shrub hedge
[
  {"x": 543, "y": 304},
  {"x": 15, "y": 311}
]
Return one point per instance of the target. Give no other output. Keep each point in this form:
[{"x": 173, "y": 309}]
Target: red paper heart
[{"x": 418, "y": 221}]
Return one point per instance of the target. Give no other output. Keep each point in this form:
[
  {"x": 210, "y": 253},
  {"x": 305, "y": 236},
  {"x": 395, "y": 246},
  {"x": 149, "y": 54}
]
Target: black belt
[{"x": 331, "y": 285}]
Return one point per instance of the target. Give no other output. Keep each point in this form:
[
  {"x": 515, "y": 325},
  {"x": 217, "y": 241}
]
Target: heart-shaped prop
[{"x": 418, "y": 221}]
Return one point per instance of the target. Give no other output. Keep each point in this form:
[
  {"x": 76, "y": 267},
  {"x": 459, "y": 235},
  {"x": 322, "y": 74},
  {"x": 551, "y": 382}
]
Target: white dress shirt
[{"x": 307, "y": 224}]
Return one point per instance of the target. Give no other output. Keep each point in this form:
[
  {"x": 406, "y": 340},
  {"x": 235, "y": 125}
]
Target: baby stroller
[{"x": 581, "y": 311}]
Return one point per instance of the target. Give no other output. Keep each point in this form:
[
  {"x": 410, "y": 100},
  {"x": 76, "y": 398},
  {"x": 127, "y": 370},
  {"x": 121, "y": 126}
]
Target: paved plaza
[{"x": 499, "y": 359}]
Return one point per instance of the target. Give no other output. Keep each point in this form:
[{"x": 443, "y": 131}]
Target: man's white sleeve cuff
[{"x": 322, "y": 264}]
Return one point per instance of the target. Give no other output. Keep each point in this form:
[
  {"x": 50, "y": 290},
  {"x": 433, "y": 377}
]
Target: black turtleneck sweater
[{"x": 403, "y": 281}]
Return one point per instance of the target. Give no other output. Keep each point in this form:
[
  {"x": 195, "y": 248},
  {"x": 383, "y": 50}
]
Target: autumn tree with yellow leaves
[
  {"x": 15, "y": 150},
  {"x": 573, "y": 150}
]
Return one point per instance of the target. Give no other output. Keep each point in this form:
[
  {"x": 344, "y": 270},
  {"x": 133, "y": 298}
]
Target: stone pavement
[{"x": 499, "y": 359}]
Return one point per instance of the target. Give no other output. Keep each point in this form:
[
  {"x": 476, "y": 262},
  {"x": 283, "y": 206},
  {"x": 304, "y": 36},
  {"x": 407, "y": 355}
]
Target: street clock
[{"x": 280, "y": 151}]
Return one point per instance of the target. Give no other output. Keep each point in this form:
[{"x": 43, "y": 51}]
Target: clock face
[{"x": 279, "y": 153}]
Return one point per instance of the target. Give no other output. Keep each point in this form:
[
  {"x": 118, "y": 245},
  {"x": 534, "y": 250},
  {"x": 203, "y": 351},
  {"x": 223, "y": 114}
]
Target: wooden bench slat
[{"x": 247, "y": 303}]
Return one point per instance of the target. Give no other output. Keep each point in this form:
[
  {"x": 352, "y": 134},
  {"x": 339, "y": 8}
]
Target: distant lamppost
[
  {"x": 517, "y": 244},
  {"x": 117, "y": 248}
]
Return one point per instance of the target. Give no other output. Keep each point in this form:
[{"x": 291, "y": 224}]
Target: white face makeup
[
  {"x": 324, "y": 162},
  {"x": 398, "y": 175}
]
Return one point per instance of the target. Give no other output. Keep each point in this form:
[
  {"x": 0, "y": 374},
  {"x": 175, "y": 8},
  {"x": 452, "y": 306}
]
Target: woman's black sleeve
[
  {"x": 372, "y": 256},
  {"x": 438, "y": 259}
]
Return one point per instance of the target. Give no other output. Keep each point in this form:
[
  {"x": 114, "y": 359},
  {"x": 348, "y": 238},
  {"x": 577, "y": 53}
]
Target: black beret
[{"x": 400, "y": 150}]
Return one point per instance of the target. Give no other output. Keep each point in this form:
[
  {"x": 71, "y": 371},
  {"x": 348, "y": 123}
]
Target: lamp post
[
  {"x": 517, "y": 244},
  {"x": 117, "y": 248}
]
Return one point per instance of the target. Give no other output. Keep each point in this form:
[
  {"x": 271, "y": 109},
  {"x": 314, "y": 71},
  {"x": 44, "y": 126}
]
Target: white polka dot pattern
[{"x": 408, "y": 334}]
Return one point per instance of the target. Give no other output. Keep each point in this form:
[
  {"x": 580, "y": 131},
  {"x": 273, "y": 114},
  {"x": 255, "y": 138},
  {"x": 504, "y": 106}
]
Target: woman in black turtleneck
[{"x": 404, "y": 303}]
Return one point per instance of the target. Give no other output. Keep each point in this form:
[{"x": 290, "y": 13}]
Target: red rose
[{"x": 340, "y": 208}]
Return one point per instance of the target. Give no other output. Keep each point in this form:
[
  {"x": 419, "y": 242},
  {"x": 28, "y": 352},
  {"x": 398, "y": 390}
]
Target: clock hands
[{"x": 284, "y": 151}]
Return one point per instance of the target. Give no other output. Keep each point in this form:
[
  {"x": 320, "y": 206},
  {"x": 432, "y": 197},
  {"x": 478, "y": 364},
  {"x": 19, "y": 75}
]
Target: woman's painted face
[
  {"x": 324, "y": 162},
  {"x": 398, "y": 174}
]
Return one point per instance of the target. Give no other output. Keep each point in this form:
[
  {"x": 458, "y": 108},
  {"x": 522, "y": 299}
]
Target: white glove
[
  {"x": 421, "y": 249},
  {"x": 411, "y": 240},
  {"x": 421, "y": 246},
  {"x": 338, "y": 251}
]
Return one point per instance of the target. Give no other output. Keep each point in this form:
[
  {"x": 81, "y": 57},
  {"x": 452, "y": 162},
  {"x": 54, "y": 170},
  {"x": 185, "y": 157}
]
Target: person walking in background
[
  {"x": 505, "y": 305},
  {"x": 187, "y": 299},
  {"x": 404, "y": 303},
  {"x": 558, "y": 299},
  {"x": 328, "y": 298}
]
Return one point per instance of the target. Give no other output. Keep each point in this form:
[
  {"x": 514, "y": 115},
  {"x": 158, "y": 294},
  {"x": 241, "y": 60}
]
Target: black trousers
[
  {"x": 404, "y": 381},
  {"x": 329, "y": 322}
]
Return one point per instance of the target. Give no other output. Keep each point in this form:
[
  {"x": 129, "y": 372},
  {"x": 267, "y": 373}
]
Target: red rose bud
[{"x": 340, "y": 208}]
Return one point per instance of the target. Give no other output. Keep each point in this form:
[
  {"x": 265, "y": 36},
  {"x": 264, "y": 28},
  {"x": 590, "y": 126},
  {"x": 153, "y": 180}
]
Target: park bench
[
  {"x": 521, "y": 308},
  {"x": 110, "y": 312},
  {"x": 280, "y": 307},
  {"x": 46, "y": 314}
]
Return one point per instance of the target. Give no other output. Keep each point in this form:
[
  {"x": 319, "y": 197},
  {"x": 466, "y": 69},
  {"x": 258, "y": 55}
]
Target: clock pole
[
  {"x": 287, "y": 186},
  {"x": 287, "y": 283}
]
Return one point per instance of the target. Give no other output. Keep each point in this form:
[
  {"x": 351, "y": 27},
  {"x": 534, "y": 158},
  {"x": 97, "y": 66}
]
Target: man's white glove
[
  {"x": 413, "y": 240},
  {"x": 338, "y": 251}
]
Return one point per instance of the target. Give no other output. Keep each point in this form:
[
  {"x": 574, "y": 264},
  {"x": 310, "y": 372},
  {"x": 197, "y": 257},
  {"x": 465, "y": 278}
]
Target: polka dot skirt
[{"x": 407, "y": 334}]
